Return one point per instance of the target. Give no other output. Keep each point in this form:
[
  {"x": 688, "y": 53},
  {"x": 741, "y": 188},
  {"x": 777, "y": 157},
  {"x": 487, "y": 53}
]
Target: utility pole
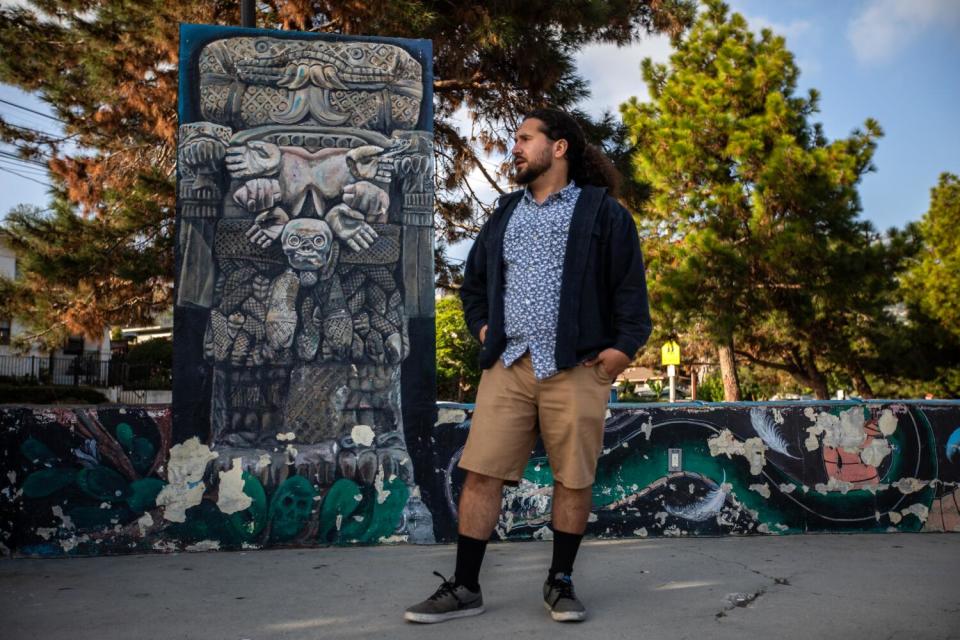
[{"x": 248, "y": 16}]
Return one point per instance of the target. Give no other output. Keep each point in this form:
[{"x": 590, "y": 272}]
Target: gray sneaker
[
  {"x": 448, "y": 602},
  {"x": 560, "y": 599}
]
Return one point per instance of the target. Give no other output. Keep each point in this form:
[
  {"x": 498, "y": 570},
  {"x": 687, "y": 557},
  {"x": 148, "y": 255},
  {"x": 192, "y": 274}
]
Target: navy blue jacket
[{"x": 603, "y": 296}]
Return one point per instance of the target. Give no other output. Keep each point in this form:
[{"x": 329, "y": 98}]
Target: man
[{"x": 554, "y": 289}]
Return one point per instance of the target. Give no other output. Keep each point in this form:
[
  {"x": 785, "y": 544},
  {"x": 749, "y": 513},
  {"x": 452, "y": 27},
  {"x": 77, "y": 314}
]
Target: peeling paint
[
  {"x": 263, "y": 462},
  {"x": 144, "y": 522},
  {"x": 543, "y": 533},
  {"x": 66, "y": 522},
  {"x": 231, "y": 497},
  {"x": 289, "y": 435},
  {"x": 752, "y": 449},
  {"x": 291, "y": 453},
  {"x": 647, "y": 427},
  {"x": 12, "y": 477},
  {"x": 362, "y": 434},
  {"x": 909, "y": 485},
  {"x": 887, "y": 422},
  {"x": 874, "y": 453},
  {"x": 787, "y": 487},
  {"x": 763, "y": 489},
  {"x": 845, "y": 431},
  {"x": 204, "y": 545},
  {"x": 592, "y": 517},
  {"x": 919, "y": 510},
  {"x": 188, "y": 462},
  {"x": 833, "y": 485},
  {"x": 642, "y": 532}
]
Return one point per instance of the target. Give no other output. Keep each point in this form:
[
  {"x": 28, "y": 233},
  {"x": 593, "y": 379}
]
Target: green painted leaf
[
  {"x": 103, "y": 483},
  {"x": 379, "y": 519},
  {"x": 125, "y": 435},
  {"x": 341, "y": 500},
  {"x": 37, "y": 452},
  {"x": 246, "y": 525},
  {"x": 44, "y": 482},
  {"x": 143, "y": 493}
]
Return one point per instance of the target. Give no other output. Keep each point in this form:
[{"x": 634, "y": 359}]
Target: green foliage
[
  {"x": 711, "y": 388},
  {"x": 458, "y": 371},
  {"x": 751, "y": 232},
  {"x": 108, "y": 70},
  {"x": 932, "y": 283}
]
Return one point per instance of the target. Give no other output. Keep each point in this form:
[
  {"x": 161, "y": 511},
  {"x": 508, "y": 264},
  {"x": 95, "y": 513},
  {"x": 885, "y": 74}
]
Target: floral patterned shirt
[{"x": 534, "y": 247}]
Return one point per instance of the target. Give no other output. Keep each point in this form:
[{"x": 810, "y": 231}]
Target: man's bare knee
[{"x": 482, "y": 484}]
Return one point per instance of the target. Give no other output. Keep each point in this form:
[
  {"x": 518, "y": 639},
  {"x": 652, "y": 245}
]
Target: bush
[{"x": 50, "y": 394}]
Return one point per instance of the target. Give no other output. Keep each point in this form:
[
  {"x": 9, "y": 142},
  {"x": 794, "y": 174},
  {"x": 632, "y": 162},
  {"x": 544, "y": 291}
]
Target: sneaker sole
[
  {"x": 430, "y": 618},
  {"x": 565, "y": 616}
]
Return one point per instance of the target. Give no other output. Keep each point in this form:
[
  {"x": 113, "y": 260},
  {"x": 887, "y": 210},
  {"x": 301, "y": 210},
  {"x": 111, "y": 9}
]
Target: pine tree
[
  {"x": 933, "y": 282},
  {"x": 108, "y": 70},
  {"x": 753, "y": 216}
]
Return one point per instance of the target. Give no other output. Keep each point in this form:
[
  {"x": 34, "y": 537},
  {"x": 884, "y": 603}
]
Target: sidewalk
[{"x": 805, "y": 587}]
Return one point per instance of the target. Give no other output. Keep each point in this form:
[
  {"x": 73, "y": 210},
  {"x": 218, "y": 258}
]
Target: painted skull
[
  {"x": 308, "y": 244},
  {"x": 290, "y": 508}
]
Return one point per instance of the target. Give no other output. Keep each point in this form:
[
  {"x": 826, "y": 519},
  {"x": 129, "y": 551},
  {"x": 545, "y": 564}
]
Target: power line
[
  {"x": 45, "y": 184},
  {"x": 13, "y": 156},
  {"x": 21, "y": 127},
  {"x": 39, "y": 113},
  {"x": 24, "y": 167}
]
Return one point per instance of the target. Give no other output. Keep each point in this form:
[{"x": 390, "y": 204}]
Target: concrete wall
[{"x": 92, "y": 480}]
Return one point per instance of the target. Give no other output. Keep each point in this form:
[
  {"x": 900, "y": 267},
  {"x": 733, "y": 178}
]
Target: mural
[
  {"x": 104, "y": 480},
  {"x": 764, "y": 468},
  {"x": 305, "y": 268}
]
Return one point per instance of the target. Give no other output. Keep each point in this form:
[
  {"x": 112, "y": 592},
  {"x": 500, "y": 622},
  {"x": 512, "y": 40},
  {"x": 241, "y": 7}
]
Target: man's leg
[
  {"x": 571, "y": 509},
  {"x": 478, "y": 513}
]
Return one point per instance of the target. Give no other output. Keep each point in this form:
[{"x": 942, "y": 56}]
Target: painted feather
[
  {"x": 767, "y": 429},
  {"x": 703, "y": 509}
]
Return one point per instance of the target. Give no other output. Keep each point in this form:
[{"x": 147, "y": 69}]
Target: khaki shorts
[{"x": 571, "y": 407}]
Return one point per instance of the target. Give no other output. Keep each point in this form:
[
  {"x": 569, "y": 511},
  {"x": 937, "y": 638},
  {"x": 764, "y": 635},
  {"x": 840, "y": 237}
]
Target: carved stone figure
[{"x": 313, "y": 249}]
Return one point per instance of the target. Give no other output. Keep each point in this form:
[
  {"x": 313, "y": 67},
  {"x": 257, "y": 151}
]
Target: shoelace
[
  {"x": 563, "y": 589},
  {"x": 446, "y": 587}
]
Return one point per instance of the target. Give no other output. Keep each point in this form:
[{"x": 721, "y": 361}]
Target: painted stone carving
[{"x": 306, "y": 198}]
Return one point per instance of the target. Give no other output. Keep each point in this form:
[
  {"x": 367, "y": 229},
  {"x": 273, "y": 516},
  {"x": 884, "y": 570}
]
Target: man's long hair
[{"x": 587, "y": 163}]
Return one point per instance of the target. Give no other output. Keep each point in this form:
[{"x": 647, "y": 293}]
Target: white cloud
[
  {"x": 790, "y": 30},
  {"x": 614, "y": 72},
  {"x": 886, "y": 27}
]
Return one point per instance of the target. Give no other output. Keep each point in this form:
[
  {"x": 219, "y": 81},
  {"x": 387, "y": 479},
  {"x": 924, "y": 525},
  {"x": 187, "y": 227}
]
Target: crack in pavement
[{"x": 743, "y": 599}]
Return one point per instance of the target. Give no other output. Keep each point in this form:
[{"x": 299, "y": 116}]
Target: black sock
[
  {"x": 469, "y": 558},
  {"x": 565, "y": 547}
]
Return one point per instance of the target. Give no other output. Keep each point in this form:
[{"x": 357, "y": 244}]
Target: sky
[{"x": 897, "y": 61}]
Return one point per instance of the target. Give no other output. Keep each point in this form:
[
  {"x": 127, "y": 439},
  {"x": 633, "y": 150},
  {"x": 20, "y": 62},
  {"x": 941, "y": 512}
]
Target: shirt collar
[{"x": 568, "y": 191}]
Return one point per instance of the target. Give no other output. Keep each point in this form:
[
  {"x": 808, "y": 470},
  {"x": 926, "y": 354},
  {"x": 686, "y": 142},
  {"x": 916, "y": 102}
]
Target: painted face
[
  {"x": 532, "y": 152},
  {"x": 307, "y": 243}
]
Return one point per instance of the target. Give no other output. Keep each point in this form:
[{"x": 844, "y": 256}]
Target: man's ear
[{"x": 561, "y": 148}]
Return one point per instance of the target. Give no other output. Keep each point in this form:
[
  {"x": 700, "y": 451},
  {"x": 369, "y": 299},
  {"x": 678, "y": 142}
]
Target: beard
[{"x": 534, "y": 168}]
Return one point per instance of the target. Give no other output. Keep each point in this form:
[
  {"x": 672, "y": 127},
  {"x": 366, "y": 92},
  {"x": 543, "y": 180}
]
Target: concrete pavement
[{"x": 804, "y": 587}]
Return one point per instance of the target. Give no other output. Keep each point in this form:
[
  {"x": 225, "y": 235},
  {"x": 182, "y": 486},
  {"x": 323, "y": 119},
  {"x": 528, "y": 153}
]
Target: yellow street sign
[{"x": 670, "y": 353}]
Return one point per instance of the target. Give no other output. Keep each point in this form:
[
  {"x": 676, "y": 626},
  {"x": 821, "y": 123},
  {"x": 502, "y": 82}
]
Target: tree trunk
[
  {"x": 860, "y": 385},
  {"x": 728, "y": 372},
  {"x": 814, "y": 377},
  {"x": 693, "y": 383}
]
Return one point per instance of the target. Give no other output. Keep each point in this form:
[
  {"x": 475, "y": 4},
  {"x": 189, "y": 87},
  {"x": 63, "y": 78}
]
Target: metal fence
[{"x": 85, "y": 369}]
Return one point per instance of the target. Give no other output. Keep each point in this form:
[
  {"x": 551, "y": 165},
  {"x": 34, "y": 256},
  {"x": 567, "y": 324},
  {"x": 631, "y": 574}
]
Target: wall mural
[
  {"x": 305, "y": 267},
  {"x": 110, "y": 480}
]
